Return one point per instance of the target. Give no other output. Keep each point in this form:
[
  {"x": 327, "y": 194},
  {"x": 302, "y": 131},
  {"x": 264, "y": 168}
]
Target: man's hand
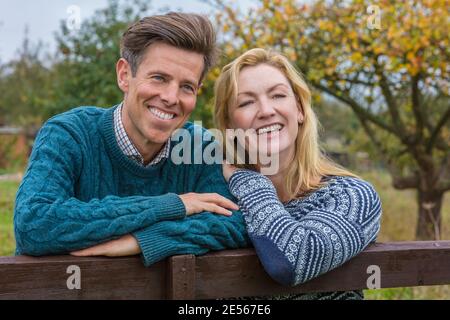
[
  {"x": 125, "y": 246},
  {"x": 212, "y": 202}
]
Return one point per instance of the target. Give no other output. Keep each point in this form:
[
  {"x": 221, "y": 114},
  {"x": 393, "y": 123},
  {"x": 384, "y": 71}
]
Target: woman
[{"x": 311, "y": 215}]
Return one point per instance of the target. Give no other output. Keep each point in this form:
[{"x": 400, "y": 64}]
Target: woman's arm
[{"x": 319, "y": 233}]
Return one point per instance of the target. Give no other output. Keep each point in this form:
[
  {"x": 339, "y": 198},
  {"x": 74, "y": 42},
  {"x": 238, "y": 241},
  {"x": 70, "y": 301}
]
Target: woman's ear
[
  {"x": 301, "y": 118},
  {"x": 301, "y": 114},
  {"x": 123, "y": 73}
]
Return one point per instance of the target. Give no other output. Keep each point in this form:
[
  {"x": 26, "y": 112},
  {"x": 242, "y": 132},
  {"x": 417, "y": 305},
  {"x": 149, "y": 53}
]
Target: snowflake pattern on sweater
[{"x": 309, "y": 236}]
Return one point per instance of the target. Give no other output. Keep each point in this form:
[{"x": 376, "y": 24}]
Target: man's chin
[
  {"x": 160, "y": 139},
  {"x": 161, "y": 135}
]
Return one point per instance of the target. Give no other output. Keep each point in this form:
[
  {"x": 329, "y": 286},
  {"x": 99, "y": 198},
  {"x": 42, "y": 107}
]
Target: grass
[
  {"x": 399, "y": 218},
  {"x": 8, "y": 191},
  {"x": 398, "y": 224}
]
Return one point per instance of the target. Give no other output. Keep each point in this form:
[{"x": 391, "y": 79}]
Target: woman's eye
[
  {"x": 245, "y": 103},
  {"x": 278, "y": 96}
]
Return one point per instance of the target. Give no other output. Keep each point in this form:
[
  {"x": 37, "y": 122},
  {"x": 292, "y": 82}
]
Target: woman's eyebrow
[
  {"x": 247, "y": 93},
  {"x": 276, "y": 86},
  {"x": 250, "y": 93}
]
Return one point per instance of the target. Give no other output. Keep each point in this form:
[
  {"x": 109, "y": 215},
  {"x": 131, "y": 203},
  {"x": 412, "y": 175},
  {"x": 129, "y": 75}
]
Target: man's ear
[
  {"x": 123, "y": 72},
  {"x": 200, "y": 85}
]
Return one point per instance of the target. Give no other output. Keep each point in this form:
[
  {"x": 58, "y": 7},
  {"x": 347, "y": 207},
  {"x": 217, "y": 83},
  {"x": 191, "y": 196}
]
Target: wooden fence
[{"x": 223, "y": 274}]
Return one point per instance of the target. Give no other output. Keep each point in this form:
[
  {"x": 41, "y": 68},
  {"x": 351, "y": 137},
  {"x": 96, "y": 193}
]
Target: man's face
[{"x": 161, "y": 96}]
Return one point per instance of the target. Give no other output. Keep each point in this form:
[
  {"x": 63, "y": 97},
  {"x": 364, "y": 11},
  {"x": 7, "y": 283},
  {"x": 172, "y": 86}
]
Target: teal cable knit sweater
[{"x": 80, "y": 190}]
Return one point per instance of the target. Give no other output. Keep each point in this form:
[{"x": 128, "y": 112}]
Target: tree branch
[
  {"x": 372, "y": 136},
  {"x": 361, "y": 82},
  {"x": 401, "y": 183},
  {"x": 444, "y": 174},
  {"x": 416, "y": 106},
  {"x": 392, "y": 105},
  {"x": 356, "y": 108},
  {"x": 435, "y": 134},
  {"x": 398, "y": 181}
]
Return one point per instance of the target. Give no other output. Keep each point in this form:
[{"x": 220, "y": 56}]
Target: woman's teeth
[
  {"x": 161, "y": 115},
  {"x": 274, "y": 127}
]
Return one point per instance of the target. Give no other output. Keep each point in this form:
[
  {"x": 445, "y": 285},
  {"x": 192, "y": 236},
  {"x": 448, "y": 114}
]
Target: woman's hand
[
  {"x": 125, "y": 246},
  {"x": 212, "y": 202},
  {"x": 228, "y": 171}
]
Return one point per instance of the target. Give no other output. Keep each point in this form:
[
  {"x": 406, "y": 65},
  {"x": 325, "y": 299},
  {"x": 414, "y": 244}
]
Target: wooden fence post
[{"x": 181, "y": 277}]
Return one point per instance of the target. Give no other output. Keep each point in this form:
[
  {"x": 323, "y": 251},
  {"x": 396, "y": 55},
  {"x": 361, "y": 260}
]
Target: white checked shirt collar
[{"x": 127, "y": 146}]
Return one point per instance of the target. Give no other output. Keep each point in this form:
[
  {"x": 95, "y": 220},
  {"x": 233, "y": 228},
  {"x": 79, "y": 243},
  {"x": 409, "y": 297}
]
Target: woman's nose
[{"x": 266, "y": 109}]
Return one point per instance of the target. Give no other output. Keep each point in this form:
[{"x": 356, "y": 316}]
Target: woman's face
[{"x": 267, "y": 104}]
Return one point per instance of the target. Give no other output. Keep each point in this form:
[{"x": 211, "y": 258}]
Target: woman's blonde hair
[{"x": 309, "y": 163}]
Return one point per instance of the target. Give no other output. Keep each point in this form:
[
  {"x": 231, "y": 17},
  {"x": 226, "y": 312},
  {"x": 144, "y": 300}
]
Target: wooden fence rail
[{"x": 223, "y": 274}]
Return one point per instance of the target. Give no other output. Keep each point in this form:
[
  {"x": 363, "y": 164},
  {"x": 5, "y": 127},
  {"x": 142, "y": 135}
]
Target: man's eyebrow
[
  {"x": 269, "y": 90},
  {"x": 192, "y": 83},
  {"x": 158, "y": 72},
  {"x": 164, "y": 74}
]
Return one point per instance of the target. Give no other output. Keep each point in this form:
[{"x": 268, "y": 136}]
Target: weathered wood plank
[
  {"x": 224, "y": 274},
  {"x": 101, "y": 278},
  {"x": 181, "y": 277},
  {"x": 401, "y": 264}
]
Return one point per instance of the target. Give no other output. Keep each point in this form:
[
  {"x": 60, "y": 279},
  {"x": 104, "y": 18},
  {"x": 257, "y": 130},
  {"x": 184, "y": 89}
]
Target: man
[{"x": 101, "y": 181}]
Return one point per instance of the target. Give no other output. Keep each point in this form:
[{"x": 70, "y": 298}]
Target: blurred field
[
  {"x": 7, "y": 195},
  {"x": 398, "y": 224}
]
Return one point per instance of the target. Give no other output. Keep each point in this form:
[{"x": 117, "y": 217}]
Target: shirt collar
[{"x": 127, "y": 146}]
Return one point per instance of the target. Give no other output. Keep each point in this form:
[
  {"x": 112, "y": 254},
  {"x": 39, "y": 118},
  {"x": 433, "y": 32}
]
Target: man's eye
[
  {"x": 158, "y": 78},
  {"x": 189, "y": 88}
]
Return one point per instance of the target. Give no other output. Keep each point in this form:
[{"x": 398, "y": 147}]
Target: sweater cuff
[
  {"x": 172, "y": 208},
  {"x": 245, "y": 182},
  {"x": 236, "y": 178},
  {"x": 154, "y": 247}
]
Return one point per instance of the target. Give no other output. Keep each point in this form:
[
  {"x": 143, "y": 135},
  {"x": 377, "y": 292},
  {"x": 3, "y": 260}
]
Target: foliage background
[{"x": 331, "y": 50}]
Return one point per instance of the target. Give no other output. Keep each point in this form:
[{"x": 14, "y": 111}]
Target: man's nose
[{"x": 169, "y": 95}]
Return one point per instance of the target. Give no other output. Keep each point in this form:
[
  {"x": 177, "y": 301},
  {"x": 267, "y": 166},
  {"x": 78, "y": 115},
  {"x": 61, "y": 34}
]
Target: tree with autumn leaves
[{"x": 386, "y": 60}]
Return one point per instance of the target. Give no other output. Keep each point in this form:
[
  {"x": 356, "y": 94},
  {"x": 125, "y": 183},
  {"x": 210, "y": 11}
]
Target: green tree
[
  {"x": 87, "y": 57},
  {"x": 25, "y": 83},
  {"x": 389, "y": 64}
]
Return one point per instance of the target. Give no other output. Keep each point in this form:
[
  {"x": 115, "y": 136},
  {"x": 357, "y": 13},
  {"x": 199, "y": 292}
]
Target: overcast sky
[{"x": 43, "y": 18}]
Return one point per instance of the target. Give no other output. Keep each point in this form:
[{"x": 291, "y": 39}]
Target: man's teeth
[
  {"x": 274, "y": 127},
  {"x": 161, "y": 115}
]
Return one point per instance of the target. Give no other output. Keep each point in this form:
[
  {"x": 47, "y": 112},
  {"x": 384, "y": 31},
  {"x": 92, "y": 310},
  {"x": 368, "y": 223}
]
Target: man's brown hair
[{"x": 188, "y": 31}]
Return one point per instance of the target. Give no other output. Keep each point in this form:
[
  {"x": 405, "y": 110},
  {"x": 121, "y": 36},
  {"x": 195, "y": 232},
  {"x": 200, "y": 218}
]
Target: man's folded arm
[
  {"x": 48, "y": 219},
  {"x": 197, "y": 234}
]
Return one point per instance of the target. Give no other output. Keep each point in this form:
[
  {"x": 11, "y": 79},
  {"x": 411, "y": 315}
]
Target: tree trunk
[{"x": 429, "y": 220}]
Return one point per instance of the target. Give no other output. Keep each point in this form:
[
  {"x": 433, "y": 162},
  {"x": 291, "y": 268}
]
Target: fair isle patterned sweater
[{"x": 309, "y": 236}]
